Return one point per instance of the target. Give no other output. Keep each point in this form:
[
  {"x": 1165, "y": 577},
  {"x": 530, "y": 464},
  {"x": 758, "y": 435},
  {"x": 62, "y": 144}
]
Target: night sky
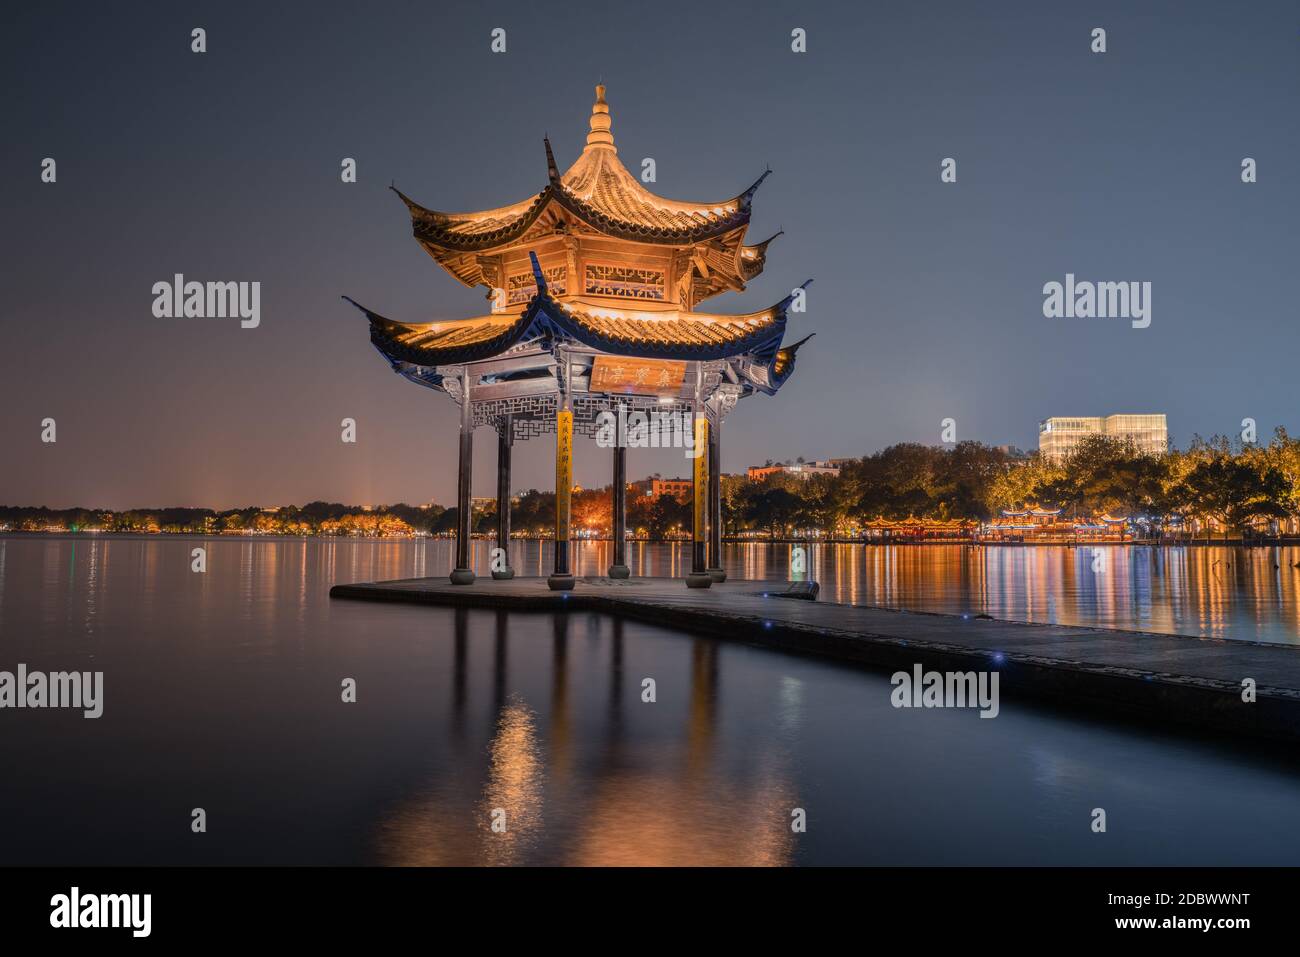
[{"x": 927, "y": 299}]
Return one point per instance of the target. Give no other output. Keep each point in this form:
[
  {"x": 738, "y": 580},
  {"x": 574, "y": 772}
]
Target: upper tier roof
[{"x": 598, "y": 190}]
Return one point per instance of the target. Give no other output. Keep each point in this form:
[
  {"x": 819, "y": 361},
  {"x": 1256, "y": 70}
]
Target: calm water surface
[{"x": 223, "y": 692}]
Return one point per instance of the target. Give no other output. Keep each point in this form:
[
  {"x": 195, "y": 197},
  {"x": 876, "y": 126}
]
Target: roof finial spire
[
  {"x": 552, "y": 171},
  {"x": 600, "y": 136}
]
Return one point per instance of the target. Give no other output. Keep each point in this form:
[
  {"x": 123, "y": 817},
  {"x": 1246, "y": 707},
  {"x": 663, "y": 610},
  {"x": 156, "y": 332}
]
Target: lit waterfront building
[
  {"x": 679, "y": 488},
  {"x": 803, "y": 470},
  {"x": 1052, "y": 525},
  {"x": 1059, "y": 436},
  {"x": 593, "y": 284}
]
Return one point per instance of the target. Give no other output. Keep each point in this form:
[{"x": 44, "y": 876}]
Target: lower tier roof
[{"x": 670, "y": 334}]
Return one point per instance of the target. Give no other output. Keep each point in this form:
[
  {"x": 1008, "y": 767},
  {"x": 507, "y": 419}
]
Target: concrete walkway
[{"x": 1162, "y": 678}]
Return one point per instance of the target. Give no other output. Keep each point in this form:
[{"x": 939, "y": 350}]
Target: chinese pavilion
[{"x": 593, "y": 285}]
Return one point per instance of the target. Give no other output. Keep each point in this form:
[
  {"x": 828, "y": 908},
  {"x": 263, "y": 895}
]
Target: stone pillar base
[
  {"x": 717, "y": 574},
  {"x": 561, "y": 582},
  {"x": 619, "y": 571},
  {"x": 506, "y": 575},
  {"x": 698, "y": 580},
  {"x": 462, "y": 576}
]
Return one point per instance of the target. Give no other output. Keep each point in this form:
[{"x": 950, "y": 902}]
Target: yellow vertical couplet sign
[
  {"x": 563, "y": 472},
  {"x": 700, "y": 498}
]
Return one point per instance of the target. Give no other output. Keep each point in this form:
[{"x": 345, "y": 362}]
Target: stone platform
[{"x": 1167, "y": 679}]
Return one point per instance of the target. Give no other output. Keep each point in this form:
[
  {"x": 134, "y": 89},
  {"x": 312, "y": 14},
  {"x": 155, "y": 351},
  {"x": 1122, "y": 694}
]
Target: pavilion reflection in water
[{"x": 670, "y": 801}]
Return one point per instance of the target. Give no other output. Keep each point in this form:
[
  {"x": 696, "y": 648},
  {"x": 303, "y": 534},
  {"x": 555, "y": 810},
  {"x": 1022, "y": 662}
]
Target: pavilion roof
[
  {"x": 665, "y": 334},
  {"x": 599, "y": 191}
]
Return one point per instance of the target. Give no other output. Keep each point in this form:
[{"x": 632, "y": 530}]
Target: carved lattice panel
[
  {"x": 534, "y": 415},
  {"x": 630, "y": 282},
  {"x": 586, "y": 409},
  {"x": 531, "y": 415},
  {"x": 522, "y": 286}
]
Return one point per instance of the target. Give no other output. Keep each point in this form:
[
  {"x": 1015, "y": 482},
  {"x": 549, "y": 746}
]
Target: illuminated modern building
[
  {"x": 1059, "y": 436},
  {"x": 593, "y": 285},
  {"x": 803, "y": 470}
]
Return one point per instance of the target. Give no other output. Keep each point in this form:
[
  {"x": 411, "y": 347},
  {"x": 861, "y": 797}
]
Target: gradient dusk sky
[{"x": 927, "y": 300}]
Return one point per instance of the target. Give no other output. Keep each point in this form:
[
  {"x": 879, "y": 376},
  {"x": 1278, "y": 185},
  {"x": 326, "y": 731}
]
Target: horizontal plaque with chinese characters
[{"x": 637, "y": 376}]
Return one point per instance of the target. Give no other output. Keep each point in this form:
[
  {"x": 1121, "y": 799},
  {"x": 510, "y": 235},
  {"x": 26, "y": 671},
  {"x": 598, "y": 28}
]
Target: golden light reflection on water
[
  {"x": 434, "y": 830},
  {"x": 650, "y": 820},
  {"x": 512, "y": 799},
  {"x": 627, "y": 818}
]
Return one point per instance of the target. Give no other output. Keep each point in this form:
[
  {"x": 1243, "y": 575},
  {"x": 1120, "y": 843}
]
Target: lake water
[{"x": 222, "y": 692}]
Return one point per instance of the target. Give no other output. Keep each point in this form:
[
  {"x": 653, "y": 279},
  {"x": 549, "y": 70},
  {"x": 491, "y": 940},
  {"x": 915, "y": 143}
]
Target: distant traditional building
[
  {"x": 1059, "y": 436},
  {"x": 803, "y": 470},
  {"x": 1052, "y": 526},
  {"x": 917, "y": 530},
  {"x": 593, "y": 284}
]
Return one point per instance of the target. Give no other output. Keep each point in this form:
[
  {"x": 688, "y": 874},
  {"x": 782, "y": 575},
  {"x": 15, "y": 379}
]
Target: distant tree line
[
  {"x": 314, "y": 518},
  {"x": 1215, "y": 483}
]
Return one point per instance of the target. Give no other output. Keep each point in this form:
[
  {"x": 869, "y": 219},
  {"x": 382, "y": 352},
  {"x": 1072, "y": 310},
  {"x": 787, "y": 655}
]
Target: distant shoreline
[{"x": 1271, "y": 542}]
